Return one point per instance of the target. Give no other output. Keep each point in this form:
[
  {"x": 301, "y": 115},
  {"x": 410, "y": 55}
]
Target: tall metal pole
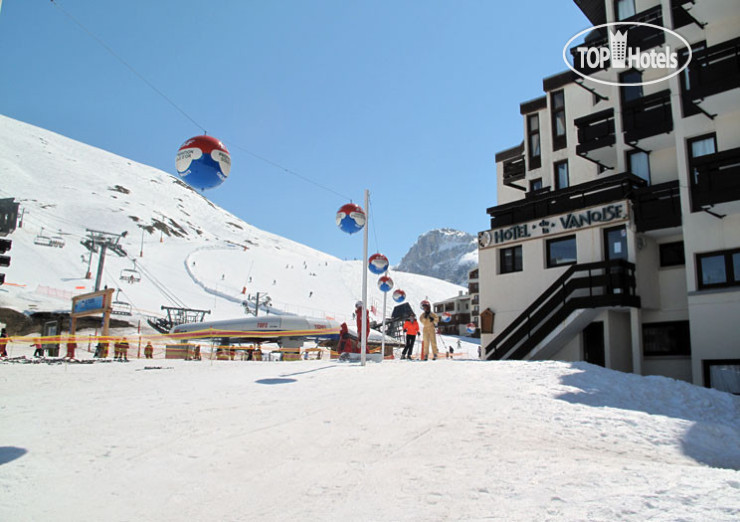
[
  {"x": 363, "y": 334},
  {"x": 99, "y": 277},
  {"x": 382, "y": 329}
]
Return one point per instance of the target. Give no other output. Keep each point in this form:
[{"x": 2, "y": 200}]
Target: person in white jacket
[{"x": 429, "y": 321}]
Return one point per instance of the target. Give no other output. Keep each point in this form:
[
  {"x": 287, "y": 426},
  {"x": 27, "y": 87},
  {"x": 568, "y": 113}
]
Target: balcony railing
[
  {"x": 514, "y": 169},
  {"x": 595, "y": 131},
  {"x": 715, "y": 178},
  {"x": 643, "y": 36},
  {"x": 583, "y": 195},
  {"x": 657, "y": 207},
  {"x": 714, "y": 70},
  {"x": 647, "y": 116}
]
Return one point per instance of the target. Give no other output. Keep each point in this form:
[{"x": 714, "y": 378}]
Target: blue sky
[{"x": 409, "y": 99}]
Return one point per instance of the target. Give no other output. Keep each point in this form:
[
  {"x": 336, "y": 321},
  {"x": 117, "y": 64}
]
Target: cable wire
[{"x": 182, "y": 111}]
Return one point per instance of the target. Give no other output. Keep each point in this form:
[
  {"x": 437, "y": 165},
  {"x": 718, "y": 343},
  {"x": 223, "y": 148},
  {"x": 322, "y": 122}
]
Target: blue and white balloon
[
  {"x": 385, "y": 284},
  {"x": 351, "y": 218},
  {"x": 378, "y": 264},
  {"x": 399, "y": 296}
]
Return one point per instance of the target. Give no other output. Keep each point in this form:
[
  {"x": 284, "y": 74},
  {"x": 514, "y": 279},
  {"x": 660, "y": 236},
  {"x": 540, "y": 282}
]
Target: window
[
  {"x": 533, "y": 133},
  {"x": 638, "y": 163},
  {"x": 624, "y": 9},
  {"x": 511, "y": 259},
  {"x": 630, "y": 92},
  {"x": 698, "y": 147},
  {"x": 672, "y": 254},
  {"x": 615, "y": 241},
  {"x": 561, "y": 174},
  {"x": 672, "y": 338},
  {"x": 561, "y": 251},
  {"x": 557, "y": 108},
  {"x": 722, "y": 375},
  {"x": 535, "y": 184},
  {"x": 689, "y": 108},
  {"x": 718, "y": 269}
]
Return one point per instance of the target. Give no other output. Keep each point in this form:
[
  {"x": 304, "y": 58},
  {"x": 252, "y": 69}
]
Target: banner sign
[
  {"x": 90, "y": 304},
  {"x": 551, "y": 225}
]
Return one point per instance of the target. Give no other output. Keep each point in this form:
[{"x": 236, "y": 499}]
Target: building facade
[
  {"x": 454, "y": 314},
  {"x": 616, "y": 235}
]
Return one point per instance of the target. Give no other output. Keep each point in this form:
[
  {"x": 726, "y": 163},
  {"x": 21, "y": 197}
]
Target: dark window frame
[
  {"x": 731, "y": 278},
  {"x": 535, "y": 161},
  {"x": 669, "y": 254},
  {"x": 688, "y": 108},
  {"x": 616, "y": 10},
  {"x": 509, "y": 268},
  {"x": 556, "y": 175},
  {"x": 623, "y": 89},
  {"x": 628, "y": 157},
  {"x": 689, "y": 145},
  {"x": 533, "y": 183},
  {"x": 605, "y": 234},
  {"x": 550, "y": 242},
  {"x": 559, "y": 141},
  {"x": 679, "y": 333}
]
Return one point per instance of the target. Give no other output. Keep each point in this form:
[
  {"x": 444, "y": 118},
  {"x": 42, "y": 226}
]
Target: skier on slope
[{"x": 429, "y": 321}]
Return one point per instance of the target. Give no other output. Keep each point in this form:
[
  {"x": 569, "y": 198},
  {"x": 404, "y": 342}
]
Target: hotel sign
[{"x": 572, "y": 222}]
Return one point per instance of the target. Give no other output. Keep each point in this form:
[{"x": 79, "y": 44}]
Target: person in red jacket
[
  {"x": 71, "y": 347},
  {"x": 411, "y": 327},
  {"x": 358, "y": 315},
  {"x": 3, "y": 343}
]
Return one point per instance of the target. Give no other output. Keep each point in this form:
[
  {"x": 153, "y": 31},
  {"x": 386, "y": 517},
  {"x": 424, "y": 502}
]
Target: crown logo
[{"x": 618, "y": 48}]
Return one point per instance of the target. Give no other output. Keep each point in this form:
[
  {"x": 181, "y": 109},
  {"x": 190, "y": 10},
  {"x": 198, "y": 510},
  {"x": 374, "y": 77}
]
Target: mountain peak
[{"x": 444, "y": 253}]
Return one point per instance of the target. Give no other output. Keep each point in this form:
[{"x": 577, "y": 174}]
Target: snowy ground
[{"x": 320, "y": 440}]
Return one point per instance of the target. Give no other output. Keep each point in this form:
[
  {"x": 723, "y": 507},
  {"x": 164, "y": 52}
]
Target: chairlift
[
  {"x": 119, "y": 307},
  {"x": 42, "y": 240},
  {"x": 51, "y": 241},
  {"x": 57, "y": 241},
  {"x": 130, "y": 275}
]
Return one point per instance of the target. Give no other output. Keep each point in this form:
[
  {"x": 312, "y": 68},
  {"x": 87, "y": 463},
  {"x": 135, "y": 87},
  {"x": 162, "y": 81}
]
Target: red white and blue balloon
[
  {"x": 350, "y": 218},
  {"x": 399, "y": 296},
  {"x": 385, "y": 284},
  {"x": 446, "y": 317},
  {"x": 377, "y": 264},
  {"x": 471, "y": 328},
  {"x": 203, "y": 162}
]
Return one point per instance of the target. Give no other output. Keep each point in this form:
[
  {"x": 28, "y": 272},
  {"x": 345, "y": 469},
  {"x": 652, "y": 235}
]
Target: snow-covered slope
[{"x": 194, "y": 253}]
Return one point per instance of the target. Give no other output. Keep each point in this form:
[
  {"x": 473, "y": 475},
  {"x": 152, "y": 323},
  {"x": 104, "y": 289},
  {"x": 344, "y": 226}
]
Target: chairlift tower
[{"x": 104, "y": 241}]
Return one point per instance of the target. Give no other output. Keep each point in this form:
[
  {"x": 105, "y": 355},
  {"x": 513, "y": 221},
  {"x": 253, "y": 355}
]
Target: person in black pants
[{"x": 411, "y": 327}]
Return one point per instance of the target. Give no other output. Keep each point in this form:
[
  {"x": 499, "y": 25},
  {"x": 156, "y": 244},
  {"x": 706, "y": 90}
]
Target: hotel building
[{"x": 616, "y": 235}]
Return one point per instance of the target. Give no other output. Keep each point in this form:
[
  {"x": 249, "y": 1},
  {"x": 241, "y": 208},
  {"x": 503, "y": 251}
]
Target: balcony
[
  {"x": 642, "y": 36},
  {"x": 647, "y": 117},
  {"x": 596, "y": 38},
  {"x": 657, "y": 207},
  {"x": 596, "y": 137},
  {"x": 514, "y": 165},
  {"x": 715, "y": 178},
  {"x": 584, "y": 195},
  {"x": 714, "y": 78}
]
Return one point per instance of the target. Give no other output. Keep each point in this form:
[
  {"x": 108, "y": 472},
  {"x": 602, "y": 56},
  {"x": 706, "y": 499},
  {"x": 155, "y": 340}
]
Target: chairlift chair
[
  {"x": 57, "y": 241},
  {"x": 130, "y": 275},
  {"x": 119, "y": 307},
  {"x": 42, "y": 240}
]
